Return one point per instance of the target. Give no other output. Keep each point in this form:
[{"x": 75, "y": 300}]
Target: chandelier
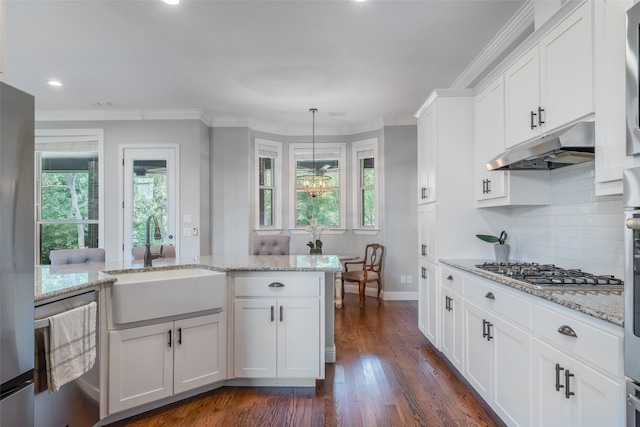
[{"x": 314, "y": 184}]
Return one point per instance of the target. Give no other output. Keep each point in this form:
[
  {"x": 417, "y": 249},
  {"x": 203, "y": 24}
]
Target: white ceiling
[{"x": 264, "y": 62}]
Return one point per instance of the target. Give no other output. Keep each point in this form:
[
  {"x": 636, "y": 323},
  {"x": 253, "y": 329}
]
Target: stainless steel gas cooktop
[{"x": 550, "y": 277}]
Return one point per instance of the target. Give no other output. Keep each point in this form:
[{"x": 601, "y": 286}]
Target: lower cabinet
[
  {"x": 452, "y": 337},
  {"x": 497, "y": 363},
  {"x": 278, "y": 330},
  {"x": 569, "y": 393},
  {"x": 277, "y": 338},
  {"x": 428, "y": 301},
  {"x": 152, "y": 362}
]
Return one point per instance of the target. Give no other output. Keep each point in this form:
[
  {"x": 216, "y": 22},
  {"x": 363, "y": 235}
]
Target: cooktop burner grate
[{"x": 548, "y": 275}]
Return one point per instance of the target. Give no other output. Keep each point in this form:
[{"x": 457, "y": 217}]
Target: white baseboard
[
  {"x": 330, "y": 354},
  {"x": 385, "y": 295}
]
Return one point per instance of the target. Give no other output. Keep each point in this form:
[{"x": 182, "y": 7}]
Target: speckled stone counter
[
  {"x": 58, "y": 281},
  {"x": 609, "y": 307}
]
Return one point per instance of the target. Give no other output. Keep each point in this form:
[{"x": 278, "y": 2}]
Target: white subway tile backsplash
[{"x": 577, "y": 230}]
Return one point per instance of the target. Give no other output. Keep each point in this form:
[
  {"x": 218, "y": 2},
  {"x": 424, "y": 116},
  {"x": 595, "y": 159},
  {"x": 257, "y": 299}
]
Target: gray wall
[
  {"x": 189, "y": 135},
  {"x": 401, "y": 214}
]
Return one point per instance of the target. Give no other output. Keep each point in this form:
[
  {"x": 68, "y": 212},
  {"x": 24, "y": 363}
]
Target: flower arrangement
[{"x": 315, "y": 244}]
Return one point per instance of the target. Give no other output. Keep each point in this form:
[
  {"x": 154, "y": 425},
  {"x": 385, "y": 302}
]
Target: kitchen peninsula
[{"x": 272, "y": 324}]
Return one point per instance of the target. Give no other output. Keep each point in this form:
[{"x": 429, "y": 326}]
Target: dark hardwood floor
[{"x": 387, "y": 374}]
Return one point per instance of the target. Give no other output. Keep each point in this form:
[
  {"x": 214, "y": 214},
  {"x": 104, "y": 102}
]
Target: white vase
[{"x": 502, "y": 252}]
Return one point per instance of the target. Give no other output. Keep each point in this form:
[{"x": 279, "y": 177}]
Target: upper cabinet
[
  {"x": 551, "y": 84},
  {"x": 501, "y": 188},
  {"x": 428, "y": 155}
]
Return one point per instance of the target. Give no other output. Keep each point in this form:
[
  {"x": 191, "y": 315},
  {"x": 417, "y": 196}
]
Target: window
[
  {"x": 365, "y": 179},
  {"x": 68, "y": 191},
  {"x": 268, "y": 178},
  {"x": 328, "y": 207}
]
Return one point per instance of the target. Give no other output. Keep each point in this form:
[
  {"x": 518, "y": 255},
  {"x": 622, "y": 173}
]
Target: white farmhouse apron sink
[{"x": 162, "y": 293}]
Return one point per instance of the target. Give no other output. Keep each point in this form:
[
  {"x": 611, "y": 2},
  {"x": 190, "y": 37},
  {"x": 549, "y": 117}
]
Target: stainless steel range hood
[{"x": 568, "y": 146}]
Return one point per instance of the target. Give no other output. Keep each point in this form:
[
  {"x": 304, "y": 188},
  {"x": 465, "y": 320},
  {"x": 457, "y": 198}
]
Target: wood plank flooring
[{"x": 387, "y": 374}]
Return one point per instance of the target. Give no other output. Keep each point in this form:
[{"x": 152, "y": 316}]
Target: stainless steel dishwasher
[{"x": 76, "y": 404}]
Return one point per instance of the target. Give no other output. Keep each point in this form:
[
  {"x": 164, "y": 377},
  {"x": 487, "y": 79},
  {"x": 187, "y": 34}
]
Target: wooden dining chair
[{"x": 370, "y": 270}]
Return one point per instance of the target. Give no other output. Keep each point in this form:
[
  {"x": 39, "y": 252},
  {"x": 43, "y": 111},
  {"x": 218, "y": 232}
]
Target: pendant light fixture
[{"x": 314, "y": 184}]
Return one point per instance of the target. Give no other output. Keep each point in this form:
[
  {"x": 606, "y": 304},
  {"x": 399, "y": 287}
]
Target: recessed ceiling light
[
  {"x": 55, "y": 83},
  {"x": 172, "y": 2},
  {"x": 359, "y": 1}
]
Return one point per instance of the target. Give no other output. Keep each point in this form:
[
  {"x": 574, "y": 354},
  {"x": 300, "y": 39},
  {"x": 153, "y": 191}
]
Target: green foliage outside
[
  {"x": 325, "y": 208},
  {"x": 64, "y": 197},
  {"x": 149, "y": 198}
]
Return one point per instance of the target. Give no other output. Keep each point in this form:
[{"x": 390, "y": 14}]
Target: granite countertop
[
  {"x": 56, "y": 281},
  {"x": 605, "y": 306}
]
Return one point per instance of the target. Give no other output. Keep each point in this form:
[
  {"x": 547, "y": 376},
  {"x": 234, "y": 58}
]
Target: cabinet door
[
  {"x": 255, "y": 338},
  {"x": 477, "y": 360},
  {"x": 298, "y": 338},
  {"x": 511, "y": 367},
  {"x": 427, "y": 232},
  {"x": 452, "y": 327},
  {"x": 200, "y": 351},
  {"x": 522, "y": 98},
  {"x": 423, "y": 182},
  {"x": 566, "y": 70},
  {"x": 596, "y": 400},
  {"x": 140, "y": 365},
  {"x": 489, "y": 133},
  {"x": 431, "y": 153}
]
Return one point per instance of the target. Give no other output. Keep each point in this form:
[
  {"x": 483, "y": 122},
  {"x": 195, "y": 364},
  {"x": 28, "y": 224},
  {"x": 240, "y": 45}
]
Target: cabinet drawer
[
  {"x": 498, "y": 301},
  {"x": 277, "y": 285},
  {"x": 596, "y": 346},
  {"x": 450, "y": 278}
]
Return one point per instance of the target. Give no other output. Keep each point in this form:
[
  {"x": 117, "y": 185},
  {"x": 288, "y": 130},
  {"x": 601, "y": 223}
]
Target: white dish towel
[{"x": 71, "y": 345}]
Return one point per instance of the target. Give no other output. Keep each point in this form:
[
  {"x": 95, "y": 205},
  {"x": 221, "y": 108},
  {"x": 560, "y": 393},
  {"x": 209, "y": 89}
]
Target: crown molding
[
  {"x": 443, "y": 93},
  {"x": 110, "y": 115},
  {"x": 518, "y": 26}
]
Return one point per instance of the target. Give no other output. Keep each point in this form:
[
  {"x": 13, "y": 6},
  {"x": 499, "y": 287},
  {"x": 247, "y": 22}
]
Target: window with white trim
[
  {"x": 268, "y": 181},
  {"x": 328, "y": 207},
  {"x": 365, "y": 180}
]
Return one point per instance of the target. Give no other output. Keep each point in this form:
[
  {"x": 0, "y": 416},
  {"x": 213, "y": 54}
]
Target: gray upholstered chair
[
  {"x": 271, "y": 245},
  {"x": 76, "y": 256},
  {"x": 164, "y": 251}
]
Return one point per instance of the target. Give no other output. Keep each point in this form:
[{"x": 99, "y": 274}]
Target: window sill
[
  {"x": 330, "y": 231},
  {"x": 267, "y": 231},
  {"x": 366, "y": 231}
]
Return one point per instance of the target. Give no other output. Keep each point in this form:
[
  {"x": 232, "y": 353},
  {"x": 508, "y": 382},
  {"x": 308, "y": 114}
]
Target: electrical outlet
[
  {"x": 194, "y": 231},
  {"x": 403, "y": 279},
  {"x": 186, "y": 231}
]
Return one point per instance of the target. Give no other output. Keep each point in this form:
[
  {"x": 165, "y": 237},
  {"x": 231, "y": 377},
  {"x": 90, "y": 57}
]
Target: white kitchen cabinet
[
  {"x": 551, "y": 85},
  {"x": 452, "y": 337},
  {"x": 428, "y": 312},
  {"x": 569, "y": 393},
  {"x": 497, "y": 363},
  {"x": 428, "y": 155},
  {"x": 152, "y": 362},
  {"x": 278, "y": 326},
  {"x": 427, "y": 232},
  {"x": 501, "y": 188}
]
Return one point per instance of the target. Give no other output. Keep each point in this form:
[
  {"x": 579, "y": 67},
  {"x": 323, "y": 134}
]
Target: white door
[
  {"x": 478, "y": 349},
  {"x": 149, "y": 191},
  {"x": 200, "y": 351},
  {"x": 255, "y": 338},
  {"x": 522, "y": 98},
  {"x": 299, "y": 338},
  {"x": 140, "y": 365}
]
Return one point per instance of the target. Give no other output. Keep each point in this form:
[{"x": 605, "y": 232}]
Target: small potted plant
[
  {"x": 315, "y": 244},
  {"x": 500, "y": 247}
]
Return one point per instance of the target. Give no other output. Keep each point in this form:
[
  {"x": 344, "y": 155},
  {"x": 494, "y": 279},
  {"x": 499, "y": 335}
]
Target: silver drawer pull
[
  {"x": 567, "y": 330},
  {"x": 449, "y": 277},
  {"x": 490, "y": 295},
  {"x": 276, "y": 285}
]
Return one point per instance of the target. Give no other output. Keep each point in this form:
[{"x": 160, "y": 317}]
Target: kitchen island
[{"x": 231, "y": 343}]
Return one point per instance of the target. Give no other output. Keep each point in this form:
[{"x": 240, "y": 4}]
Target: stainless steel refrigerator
[{"x": 16, "y": 257}]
